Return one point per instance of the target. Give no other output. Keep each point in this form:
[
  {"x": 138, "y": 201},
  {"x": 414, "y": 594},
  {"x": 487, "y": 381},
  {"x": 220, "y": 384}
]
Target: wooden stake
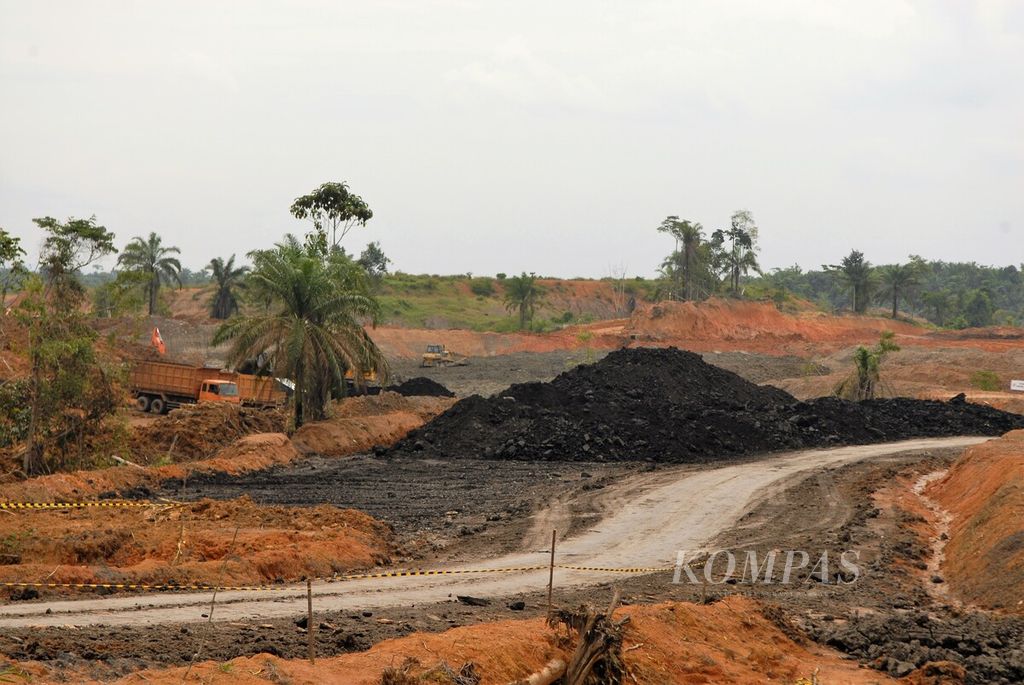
[
  {"x": 310, "y": 627},
  {"x": 213, "y": 604},
  {"x": 551, "y": 573},
  {"x": 174, "y": 441}
]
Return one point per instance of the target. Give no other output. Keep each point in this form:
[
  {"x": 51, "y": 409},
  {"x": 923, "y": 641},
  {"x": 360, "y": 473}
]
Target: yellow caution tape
[
  {"x": 143, "y": 586},
  {"x": 442, "y": 572},
  {"x": 253, "y": 588},
  {"x": 76, "y": 505},
  {"x": 605, "y": 569}
]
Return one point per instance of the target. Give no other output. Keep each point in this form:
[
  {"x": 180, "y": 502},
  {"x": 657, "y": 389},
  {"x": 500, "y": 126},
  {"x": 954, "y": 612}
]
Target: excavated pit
[{"x": 669, "y": 405}]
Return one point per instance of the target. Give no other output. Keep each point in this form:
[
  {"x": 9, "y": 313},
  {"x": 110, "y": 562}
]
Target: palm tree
[
  {"x": 685, "y": 263},
  {"x": 863, "y": 382},
  {"x": 690, "y": 237},
  {"x": 225, "y": 276},
  {"x": 150, "y": 257},
  {"x": 311, "y": 332},
  {"x": 897, "y": 280},
  {"x": 523, "y": 293},
  {"x": 856, "y": 274}
]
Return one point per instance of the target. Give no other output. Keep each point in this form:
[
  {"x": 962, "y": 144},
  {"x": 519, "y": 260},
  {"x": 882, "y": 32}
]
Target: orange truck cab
[{"x": 214, "y": 390}]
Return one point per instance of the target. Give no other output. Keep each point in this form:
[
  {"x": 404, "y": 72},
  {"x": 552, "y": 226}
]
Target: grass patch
[{"x": 986, "y": 380}]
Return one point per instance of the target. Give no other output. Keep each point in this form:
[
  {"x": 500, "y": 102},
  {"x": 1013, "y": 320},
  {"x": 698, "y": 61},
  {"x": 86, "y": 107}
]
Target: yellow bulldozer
[{"x": 439, "y": 355}]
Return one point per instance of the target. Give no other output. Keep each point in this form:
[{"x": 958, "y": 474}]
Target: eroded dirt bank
[{"x": 984, "y": 492}]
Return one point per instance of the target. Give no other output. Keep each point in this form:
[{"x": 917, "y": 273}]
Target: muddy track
[{"x": 649, "y": 517}]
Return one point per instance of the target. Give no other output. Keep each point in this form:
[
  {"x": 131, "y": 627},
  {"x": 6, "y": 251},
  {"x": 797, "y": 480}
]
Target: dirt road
[{"x": 645, "y": 519}]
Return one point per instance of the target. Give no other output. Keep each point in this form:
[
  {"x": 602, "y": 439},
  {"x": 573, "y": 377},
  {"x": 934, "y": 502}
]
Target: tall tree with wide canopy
[
  {"x": 331, "y": 207},
  {"x": 226, "y": 278},
  {"x": 739, "y": 257},
  {"x": 523, "y": 293},
  {"x": 149, "y": 256},
  {"x": 856, "y": 274},
  {"x": 374, "y": 260},
  {"x": 312, "y": 331}
]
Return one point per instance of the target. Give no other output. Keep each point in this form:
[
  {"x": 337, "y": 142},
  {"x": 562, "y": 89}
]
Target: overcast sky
[{"x": 506, "y": 136}]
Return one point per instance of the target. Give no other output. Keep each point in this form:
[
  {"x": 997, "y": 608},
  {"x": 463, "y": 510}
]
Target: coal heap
[
  {"x": 421, "y": 387},
  {"x": 669, "y": 405}
]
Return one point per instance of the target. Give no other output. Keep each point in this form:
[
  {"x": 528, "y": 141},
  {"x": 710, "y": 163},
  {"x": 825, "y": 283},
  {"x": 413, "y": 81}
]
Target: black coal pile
[
  {"x": 421, "y": 387},
  {"x": 669, "y": 405}
]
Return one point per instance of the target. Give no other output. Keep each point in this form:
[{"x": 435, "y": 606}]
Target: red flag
[{"x": 158, "y": 342}]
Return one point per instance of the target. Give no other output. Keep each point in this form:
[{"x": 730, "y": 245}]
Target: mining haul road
[{"x": 645, "y": 520}]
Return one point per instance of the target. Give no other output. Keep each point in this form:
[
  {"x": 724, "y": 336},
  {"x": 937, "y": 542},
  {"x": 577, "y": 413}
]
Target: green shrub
[
  {"x": 483, "y": 287},
  {"x": 985, "y": 380}
]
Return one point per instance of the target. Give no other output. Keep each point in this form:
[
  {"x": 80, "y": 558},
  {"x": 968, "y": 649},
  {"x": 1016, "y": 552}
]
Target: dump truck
[
  {"x": 439, "y": 355},
  {"x": 160, "y": 386},
  {"x": 261, "y": 391}
]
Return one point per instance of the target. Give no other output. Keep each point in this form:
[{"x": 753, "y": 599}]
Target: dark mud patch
[{"x": 482, "y": 505}]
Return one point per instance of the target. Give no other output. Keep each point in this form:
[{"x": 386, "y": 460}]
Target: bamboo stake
[
  {"x": 310, "y": 628},
  {"x": 551, "y": 574}
]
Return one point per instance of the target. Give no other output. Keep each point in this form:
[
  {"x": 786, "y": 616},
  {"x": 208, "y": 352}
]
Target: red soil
[
  {"x": 361, "y": 423},
  {"x": 251, "y": 453},
  {"x": 723, "y": 324},
  {"x": 714, "y": 325},
  {"x": 984, "y": 491},
  {"x": 928, "y": 373},
  {"x": 188, "y": 543}
]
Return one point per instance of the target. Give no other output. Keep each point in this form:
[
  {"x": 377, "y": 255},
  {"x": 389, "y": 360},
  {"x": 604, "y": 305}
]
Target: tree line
[{"x": 948, "y": 294}]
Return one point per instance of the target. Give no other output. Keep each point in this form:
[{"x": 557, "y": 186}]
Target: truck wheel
[
  {"x": 156, "y": 406},
  {"x": 142, "y": 403}
]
